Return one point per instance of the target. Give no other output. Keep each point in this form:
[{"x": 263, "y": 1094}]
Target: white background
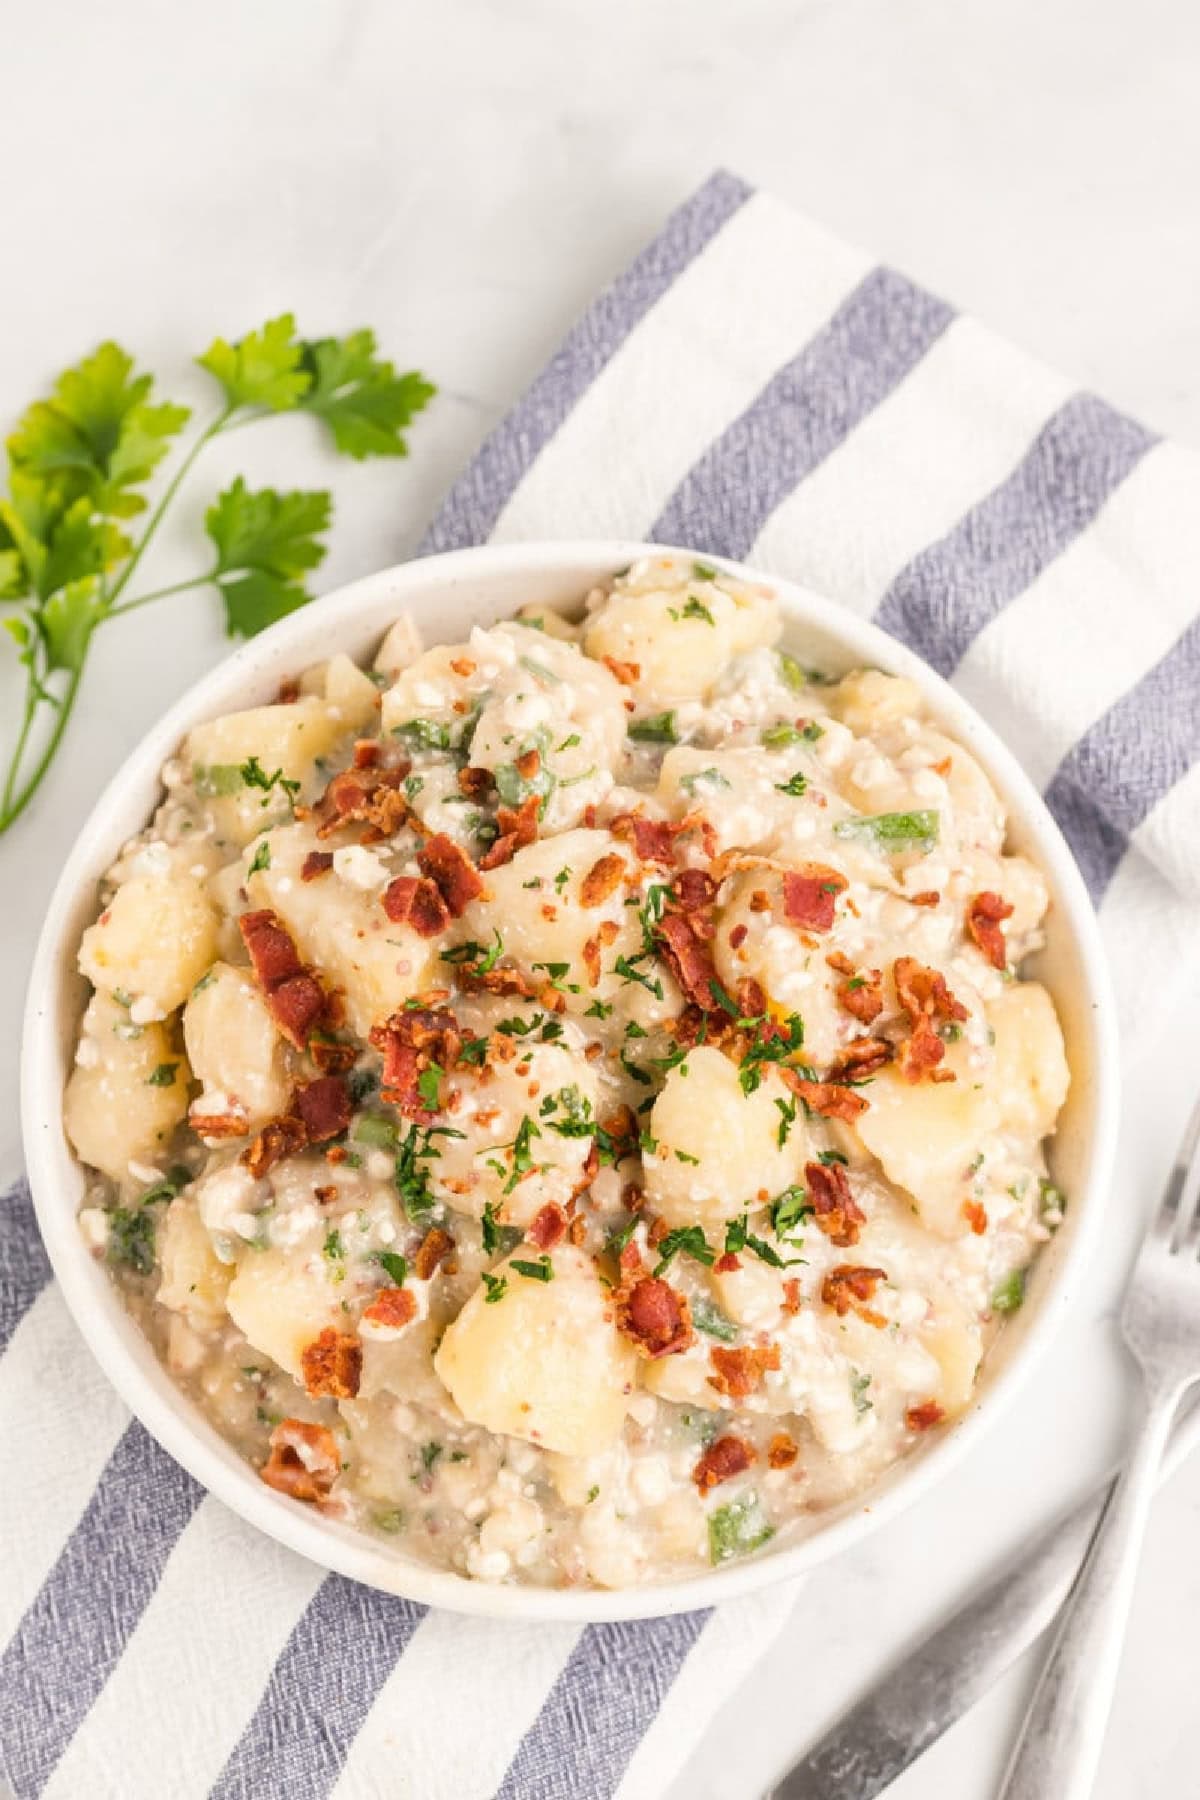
[{"x": 463, "y": 176}]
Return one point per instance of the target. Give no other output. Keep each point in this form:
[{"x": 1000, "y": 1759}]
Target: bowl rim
[{"x": 117, "y": 1342}]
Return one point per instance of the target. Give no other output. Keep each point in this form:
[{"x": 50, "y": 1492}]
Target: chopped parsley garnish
[
  {"x": 710, "y": 777},
  {"x": 893, "y": 831},
  {"x": 795, "y": 785},
  {"x": 557, "y": 973},
  {"x": 424, "y": 734},
  {"x": 788, "y": 1210},
  {"x": 333, "y": 1248},
  {"x": 374, "y": 1129},
  {"x": 495, "y": 1288},
  {"x": 561, "y": 879},
  {"x": 415, "y": 1152},
  {"x": 739, "y": 1237},
  {"x": 576, "y": 1110},
  {"x": 689, "y": 1239},
  {"x": 812, "y": 732},
  {"x": 541, "y": 1270},
  {"x": 706, "y": 1318},
  {"x": 131, "y": 1238},
  {"x": 1010, "y": 1293},
  {"x": 858, "y": 1392},
  {"x": 695, "y": 609},
  {"x": 627, "y": 968},
  {"x": 522, "y": 1157},
  {"x": 163, "y": 1075},
  {"x": 412, "y": 787},
  {"x": 393, "y": 1264},
  {"x": 703, "y": 572},
  {"x": 569, "y": 743},
  {"x": 736, "y": 1529},
  {"x": 775, "y": 737},
  {"x": 361, "y": 1084},
  {"x": 491, "y": 1228},
  {"x": 473, "y": 1052},
  {"x": 429, "y": 1087},
  {"x": 475, "y": 958},
  {"x": 429, "y": 1455},
  {"x": 1052, "y": 1204},
  {"x": 621, "y": 1236},
  {"x": 390, "y": 1519},
  {"x": 659, "y": 728},
  {"x": 599, "y": 1009},
  {"x": 540, "y": 670},
  {"x": 787, "y": 1118},
  {"x": 790, "y": 671},
  {"x": 255, "y": 776},
  {"x": 262, "y": 858}
]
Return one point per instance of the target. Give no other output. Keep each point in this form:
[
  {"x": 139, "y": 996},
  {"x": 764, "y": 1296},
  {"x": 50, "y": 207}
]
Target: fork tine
[{"x": 1163, "y": 1229}]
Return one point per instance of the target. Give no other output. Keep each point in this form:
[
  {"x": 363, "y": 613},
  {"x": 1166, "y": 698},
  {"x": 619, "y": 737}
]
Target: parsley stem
[
  {"x": 176, "y": 587},
  {"x": 13, "y": 808},
  {"x": 172, "y": 488},
  {"x": 31, "y": 705}
]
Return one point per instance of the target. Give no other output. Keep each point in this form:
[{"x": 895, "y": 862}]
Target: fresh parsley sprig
[{"x": 79, "y": 462}]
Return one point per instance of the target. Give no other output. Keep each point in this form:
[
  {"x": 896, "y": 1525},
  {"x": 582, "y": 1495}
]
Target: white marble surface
[{"x": 463, "y": 176}]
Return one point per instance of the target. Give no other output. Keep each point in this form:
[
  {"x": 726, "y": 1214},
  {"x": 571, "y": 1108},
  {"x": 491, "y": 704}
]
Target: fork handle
[{"x": 1059, "y": 1747}]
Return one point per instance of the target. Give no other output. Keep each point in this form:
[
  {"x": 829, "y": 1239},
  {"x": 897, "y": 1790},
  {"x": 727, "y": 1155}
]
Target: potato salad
[{"x": 567, "y": 1103}]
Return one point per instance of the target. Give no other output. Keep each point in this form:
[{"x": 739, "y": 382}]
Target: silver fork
[{"x": 1059, "y": 1748}]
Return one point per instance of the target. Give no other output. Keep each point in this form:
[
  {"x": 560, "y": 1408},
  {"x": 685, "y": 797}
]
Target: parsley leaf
[
  {"x": 360, "y": 397},
  {"x": 394, "y": 1265},
  {"x": 263, "y": 369},
  {"x": 265, "y": 542},
  {"x": 541, "y": 1270}
]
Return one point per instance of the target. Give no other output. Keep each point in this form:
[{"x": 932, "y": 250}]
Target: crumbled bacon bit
[
  {"x": 861, "y": 994},
  {"x": 653, "y": 839},
  {"x": 924, "y": 1417},
  {"x": 602, "y": 879},
  {"x": 976, "y": 1216},
  {"x": 463, "y": 665},
  {"x": 475, "y": 783},
  {"x": 367, "y": 796},
  {"x": 627, "y": 673},
  {"x": 289, "y": 692},
  {"x": 273, "y": 954},
  {"x": 985, "y": 915},
  {"x": 657, "y": 1318},
  {"x": 414, "y": 900},
  {"x": 326, "y": 1194},
  {"x": 452, "y": 872},
  {"x": 944, "y": 767},
  {"x": 851, "y": 1285},
  {"x": 923, "y": 994},
  {"x": 861, "y": 1056},
  {"x": 517, "y": 828},
  {"x": 689, "y": 958},
  {"x": 317, "y": 862},
  {"x": 738, "y": 936},
  {"x": 295, "y": 998},
  {"x": 809, "y": 896},
  {"x": 529, "y": 763},
  {"x": 435, "y": 1247},
  {"x": 727, "y": 1263},
  {"x": 332, "y": 1057},
  {"x": 724, "y": 1458},
  {"x": 740, "y": 1371},
  {"x": 760, "y": 901},
  {"x": 826, "y": 1097},
  {"x": 590, "y": 957},
  {"x": 412, "y": 1040},
  {"x": 548, "y": 1226},
  {"x": 277, "y": 1140},
  {"x": 304, "y": 1460},
  {"x": 837, "y": 1211},
  {"x": 324, "y": 1107},
  {"x": 332, "y": 1364},
  {"x": 927, "y": 897},
  {"x": 392, "y": 1308},
  {"x": 752, "y": 1002},
  {"x": 791, "y": 1295},
  {"x": 695, "y": 890},
  {"x": 367, "y": 753},
  {"x": 231, "y": 1124},
  {"x": 782, "y": 1451}
]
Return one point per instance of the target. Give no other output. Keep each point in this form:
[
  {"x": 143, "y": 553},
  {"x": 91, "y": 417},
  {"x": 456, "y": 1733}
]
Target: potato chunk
[
  {"x": 194, "y": 1281},
  {"x": 127, "y": 1093},
  {"x": 927, "y": 1135},
  {"x": 153, "y": 941},
  {"x": 234, "y": 1047},
  {"x": 679, "y": 642},
  {"x": 281, "y": 1302},
  {"x": 546, "y": 1362},
  {"x": 1030, "y": 1076},
  {"x": 343, "y": 931},
  {"x": 729, "y": 1138},
  {"x": 287, "y": 738}
]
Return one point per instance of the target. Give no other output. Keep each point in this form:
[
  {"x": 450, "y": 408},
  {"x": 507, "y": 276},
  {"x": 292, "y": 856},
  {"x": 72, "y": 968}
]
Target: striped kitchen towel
[{"x": 754, "y": 388}]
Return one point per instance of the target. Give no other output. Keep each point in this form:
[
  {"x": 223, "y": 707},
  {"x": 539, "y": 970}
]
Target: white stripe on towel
[
  {"x": 405, "y": 1749},
  {"x": 228, "y": 1598},
  {"x": 59, "y": 1423},
  {"x": 1039, "y": 673}
]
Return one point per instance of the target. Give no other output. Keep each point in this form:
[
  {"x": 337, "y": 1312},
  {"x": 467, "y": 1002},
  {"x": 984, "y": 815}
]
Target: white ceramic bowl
[{"x": 447, "y": 595}]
